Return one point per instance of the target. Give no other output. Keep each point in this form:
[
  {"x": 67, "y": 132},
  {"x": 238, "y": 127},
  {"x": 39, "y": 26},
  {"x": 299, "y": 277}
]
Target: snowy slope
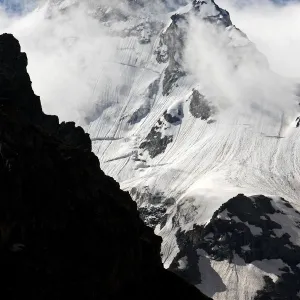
[
  {"x": 210, "y": 149},
  {"x": 186, "y": 114},
  {"x": 250, "y": 249}
]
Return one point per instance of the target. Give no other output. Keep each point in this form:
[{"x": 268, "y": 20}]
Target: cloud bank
[
  {"x": 71, "y": 54},
  {"x": 69, "y": 57},
  {"x": 235, "y": 70},
  {"x": 275, "y": 30},
  {"x": 231, "y": 70}
]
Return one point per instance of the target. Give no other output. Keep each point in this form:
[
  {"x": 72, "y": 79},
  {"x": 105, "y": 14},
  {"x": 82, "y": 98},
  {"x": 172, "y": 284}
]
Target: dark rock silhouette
[{"x": 67, "y": 231}]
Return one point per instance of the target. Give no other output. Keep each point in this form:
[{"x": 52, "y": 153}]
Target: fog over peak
[
  {"x": 274, "y": 28},
  {"x": 72, "y": 56}
]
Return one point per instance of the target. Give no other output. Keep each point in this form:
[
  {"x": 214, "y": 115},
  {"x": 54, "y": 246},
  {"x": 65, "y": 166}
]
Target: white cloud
[
  {"x": 275, "y": 29},
  {"x": 71, "y": 54},
  {"x": 235, "y": 74},
  {"x": 69, "y": 58},
  {"x": 230, "y": 68}
]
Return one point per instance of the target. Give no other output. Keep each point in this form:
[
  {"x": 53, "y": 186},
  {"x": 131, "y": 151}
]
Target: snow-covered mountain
[
  {"x": 250, "y": 249},
  {"x": 186, "y": 114}
]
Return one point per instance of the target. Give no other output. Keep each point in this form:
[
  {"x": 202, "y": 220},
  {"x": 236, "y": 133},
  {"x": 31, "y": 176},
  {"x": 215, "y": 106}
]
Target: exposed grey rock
[
  {"x": 153, "y": 89},
  {"x": 171, "y": 76},
  {"x": 173, "y": 40},
  {"x": 286, "y": 288},
  {"x": 153, "y": 198},
  {"x": 297, "y": 121},
  {"x": 152, "y": 215},
  {"x": 170, "y": 50},
  {"x": 155, "y": 143},
  {"x": 200, "y": 107},
  {"x": 152, "y": 206},
  {"x": 244, "y": 226},
  {"x": 144, "y": 31},
  {"x": 139, "y": 114},
  {"x": 144, "y": 110},
  {"x": 222, "y": 16},
  {"x": 174, "y": 118}
]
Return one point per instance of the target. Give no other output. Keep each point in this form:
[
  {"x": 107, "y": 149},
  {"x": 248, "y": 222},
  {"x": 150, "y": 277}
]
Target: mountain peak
[
  {"x": 15, "y": 84},
  {"x": 210, "y": 11}
]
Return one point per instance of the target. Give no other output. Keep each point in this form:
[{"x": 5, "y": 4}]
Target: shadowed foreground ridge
[{"x": 67, "y": 230}]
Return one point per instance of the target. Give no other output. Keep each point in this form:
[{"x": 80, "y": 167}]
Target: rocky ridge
[
  {"x": 259, "y": 236},
  {"x": 67, "y": 231}
]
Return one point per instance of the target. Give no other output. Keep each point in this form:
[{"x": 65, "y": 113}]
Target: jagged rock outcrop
[
  {"x": 173, "y": 40},
  {"x": 155, "y": 142},
  {"x": 67, "y": 231},
  {"x": 248, "y": 239},
  {"x": 200, "y": 107}
]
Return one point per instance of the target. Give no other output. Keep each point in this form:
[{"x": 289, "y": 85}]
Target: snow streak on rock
[{"x": 250, "y": 249}]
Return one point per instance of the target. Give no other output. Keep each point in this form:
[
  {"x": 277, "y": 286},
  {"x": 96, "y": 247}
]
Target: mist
[
  {"x": 69, "y": 58},
  {"x": 72, "y": 55},
  {"x": 232, "y": 72},
  {"x": 252, "y": 73},
  {"x": 274, "y": 28}
]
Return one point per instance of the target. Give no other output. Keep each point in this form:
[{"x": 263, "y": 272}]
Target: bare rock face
[
  {"x": 172, "y": 42},
  {"x": 67, "y": 231},
  {"x": 200, "y": 107},
  {"x": 155, "y": 142},
  {"x": 257, "y": 235}
]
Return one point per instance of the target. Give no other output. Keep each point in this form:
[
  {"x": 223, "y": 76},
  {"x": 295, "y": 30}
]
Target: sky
[{"x": 18, "y": 6}]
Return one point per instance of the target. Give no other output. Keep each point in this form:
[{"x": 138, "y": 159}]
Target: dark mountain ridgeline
[{"x": 67, "y": 231}]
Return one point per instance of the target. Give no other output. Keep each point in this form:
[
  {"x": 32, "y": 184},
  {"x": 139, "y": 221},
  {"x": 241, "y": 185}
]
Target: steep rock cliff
[{"x": 67, "y": 231}]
